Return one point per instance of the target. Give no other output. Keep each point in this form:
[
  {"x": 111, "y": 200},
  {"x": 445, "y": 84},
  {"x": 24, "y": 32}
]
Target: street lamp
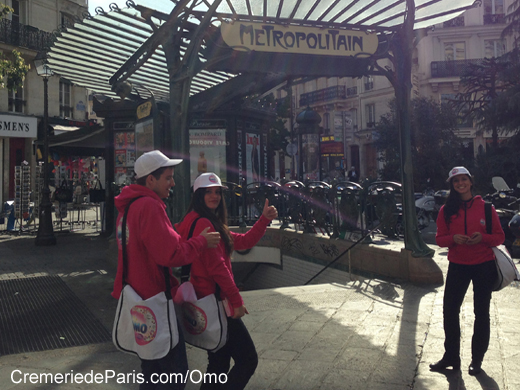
[
  {"x": 308, "y": 121},
  {"x": 45, "y": 236}
]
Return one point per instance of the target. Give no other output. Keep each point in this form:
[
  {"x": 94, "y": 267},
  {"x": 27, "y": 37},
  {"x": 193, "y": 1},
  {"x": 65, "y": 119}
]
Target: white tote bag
[
  {"x": 147, "y": 328},
  {"x": 506, "y": 268},
  {"x": 203, "y": 322}
]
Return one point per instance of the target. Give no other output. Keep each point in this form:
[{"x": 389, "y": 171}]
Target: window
[
  {"x": 494, "y": 48},
  {"x": 16, "y": 101},
  {"x": 326, "y": 121},
  {"x": 369, "y": 83},
  {"x": 66, "y": 20},
  {"x": 454, "y": 51},
  {"x": 353, "y": 116},
  {"x": 370, "y": 113},
  {"x": 15, "y": 16},
  {"x": 493, "y": 7},
  {"x": 494, "y": 12},
  {"x": 65, "y": 99}
]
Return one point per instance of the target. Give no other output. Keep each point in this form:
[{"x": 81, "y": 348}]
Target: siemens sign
[{"x": 18, "y": 126}]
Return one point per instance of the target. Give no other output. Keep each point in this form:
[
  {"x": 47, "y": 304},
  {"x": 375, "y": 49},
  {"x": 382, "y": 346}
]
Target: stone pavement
[{"x": 362, "y": 334}]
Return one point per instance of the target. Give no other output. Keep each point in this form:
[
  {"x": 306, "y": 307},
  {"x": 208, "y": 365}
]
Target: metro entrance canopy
[
  {"x": 91, "y": 52},
  {"x": 205, "y": 52}
]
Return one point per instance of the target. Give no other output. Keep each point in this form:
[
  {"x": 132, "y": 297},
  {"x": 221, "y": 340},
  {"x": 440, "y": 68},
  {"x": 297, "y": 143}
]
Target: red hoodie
[
  {"x": 152, "y": 244},
  {"x": 470, "y": 219},
  {"x": 214, "y": 266}
]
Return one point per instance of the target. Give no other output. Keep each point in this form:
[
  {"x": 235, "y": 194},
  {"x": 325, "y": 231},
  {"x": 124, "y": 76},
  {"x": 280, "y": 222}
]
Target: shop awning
[
  {"x": 84, "y": 141},
  {"x": 93, "y": 50},
  {"x": 60, "y": 129}
]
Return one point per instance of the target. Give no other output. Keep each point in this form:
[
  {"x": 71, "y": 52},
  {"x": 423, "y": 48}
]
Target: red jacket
[
  {"x": 214, "y": 266},
  {"x": 152, "y": 244},
  {"x": 471, "y": 218}
]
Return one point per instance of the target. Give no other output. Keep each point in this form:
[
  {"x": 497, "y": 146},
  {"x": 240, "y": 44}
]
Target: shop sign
[
  {"x": 331, "y": 149},
  {"x": 144, "y": 110},
  {"x": 275, "y": 38},
  {"x": 18, "y": 126}
]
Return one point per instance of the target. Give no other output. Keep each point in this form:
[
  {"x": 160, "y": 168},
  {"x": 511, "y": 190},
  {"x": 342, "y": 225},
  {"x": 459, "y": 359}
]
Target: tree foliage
[
  {"x": 482, "y": 85},
  {"x": 435, "y": 147},
  {"x": 513, "y": 22},
  {"x": 278, "y": 133},
  {"x": 12, "y": 70}
]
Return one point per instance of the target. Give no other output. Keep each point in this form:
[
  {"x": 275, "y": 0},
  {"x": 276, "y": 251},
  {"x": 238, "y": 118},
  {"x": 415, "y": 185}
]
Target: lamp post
[
  {"x": 45, "y": 236},
  {"x": 308, "y": 121}
]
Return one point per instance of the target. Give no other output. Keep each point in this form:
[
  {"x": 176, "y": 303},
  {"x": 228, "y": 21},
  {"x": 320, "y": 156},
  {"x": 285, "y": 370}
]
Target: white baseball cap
[
  {"x": 458, "y": 171},
  {"x": 152, "y": 161},
  {"x": 207, "y": 180}
]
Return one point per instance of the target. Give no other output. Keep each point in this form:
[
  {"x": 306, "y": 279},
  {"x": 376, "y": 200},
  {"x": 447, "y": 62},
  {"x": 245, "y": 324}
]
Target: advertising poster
[
  {"x": 143, "y": 137},
  {"x": 208, "y": 152},
  {"x": 120, "y": 158},
  {"x": 120, "y": 140},
  {"x": 253, "y": 157},
  {"x": 122, "y": 176}
]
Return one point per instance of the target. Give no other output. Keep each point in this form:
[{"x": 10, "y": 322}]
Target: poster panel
[
  {"x": 208, "y": 152},
  {"x": 143, "y": 137},
  {"x": 253, "y": 157}
]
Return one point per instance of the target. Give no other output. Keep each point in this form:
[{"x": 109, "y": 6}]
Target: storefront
[
  {"x": 16, "y": 135},
  {"x": 232, "y": 142}
]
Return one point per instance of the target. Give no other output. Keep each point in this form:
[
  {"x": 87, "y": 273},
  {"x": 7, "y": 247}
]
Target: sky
[{"x": 162, "y": 5}]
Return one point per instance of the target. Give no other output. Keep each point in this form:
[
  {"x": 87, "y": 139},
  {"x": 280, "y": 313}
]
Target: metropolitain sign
[{"x": 274, "y": 38}]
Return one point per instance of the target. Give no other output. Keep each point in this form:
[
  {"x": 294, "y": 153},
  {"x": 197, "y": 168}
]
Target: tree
[
  {"x": 435, "y": 147},
  {"x": 12, "y": 70},
  {"x": 482, "y": 84},
  {"x": 513, "y": 20}
]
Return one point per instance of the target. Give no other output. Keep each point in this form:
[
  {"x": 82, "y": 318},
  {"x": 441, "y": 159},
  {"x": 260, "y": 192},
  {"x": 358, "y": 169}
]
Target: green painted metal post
[{"x": 402, "y": 48}]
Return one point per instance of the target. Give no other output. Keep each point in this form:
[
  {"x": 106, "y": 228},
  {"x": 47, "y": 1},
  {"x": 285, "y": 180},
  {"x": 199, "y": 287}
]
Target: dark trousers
[
  {"x": 175, "y": 361},
  {"x": 241, "y": 349},
  {"x": 457, "y": 283}
]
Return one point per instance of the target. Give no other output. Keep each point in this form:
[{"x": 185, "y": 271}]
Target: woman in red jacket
[
  {"x": 207, "y": 209},
  {"x": 461, "y": 227}
]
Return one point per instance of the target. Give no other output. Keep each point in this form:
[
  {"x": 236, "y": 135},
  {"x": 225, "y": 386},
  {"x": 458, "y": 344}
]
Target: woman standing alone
[{"x": 461, "y": 227}]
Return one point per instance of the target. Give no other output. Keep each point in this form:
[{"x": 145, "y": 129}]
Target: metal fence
[{"x": 319, "y": 207}]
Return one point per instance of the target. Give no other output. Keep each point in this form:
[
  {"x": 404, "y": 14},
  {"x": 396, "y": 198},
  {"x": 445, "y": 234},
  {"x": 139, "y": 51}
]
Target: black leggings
[
  {"x": 457, "y": 283},
  {"x": 241, "y": 349}
]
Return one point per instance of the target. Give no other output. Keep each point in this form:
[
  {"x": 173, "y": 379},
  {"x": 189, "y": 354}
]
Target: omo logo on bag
[
  {"x": 145, "y": 324},
  {"x": 194, "y": 318}
]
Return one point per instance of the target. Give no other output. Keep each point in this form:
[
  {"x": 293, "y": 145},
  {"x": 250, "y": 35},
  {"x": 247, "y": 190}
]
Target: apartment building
[
  {"x": 349, "y": 108},
  {"x": 30, "y": 29}
]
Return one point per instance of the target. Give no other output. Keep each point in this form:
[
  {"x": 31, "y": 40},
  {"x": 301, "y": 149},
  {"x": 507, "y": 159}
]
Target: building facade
[
  {"x": 29, "y": 30},
  {"x": 349, "y": 108}
]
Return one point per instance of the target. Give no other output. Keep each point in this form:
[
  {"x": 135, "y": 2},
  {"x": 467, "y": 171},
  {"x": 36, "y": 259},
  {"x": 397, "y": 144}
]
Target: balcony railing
[
  {"x": 29, "y": 37},
  {"x": 494, "y": 19},
  {"x": 452, "y": 68},
  {"x": 323, "y": 95},
  {"x": 456, "y": 22},
  {"x": 351, "y": 91}
]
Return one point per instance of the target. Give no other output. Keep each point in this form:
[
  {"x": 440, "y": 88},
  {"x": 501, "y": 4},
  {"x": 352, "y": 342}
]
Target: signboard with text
[
  {"x": 18, "y": 126},
  {"x": 274, "y": 38}
]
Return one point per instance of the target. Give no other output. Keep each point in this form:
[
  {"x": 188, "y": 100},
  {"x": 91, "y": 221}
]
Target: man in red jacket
[{"x": 153, "y": 244}]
